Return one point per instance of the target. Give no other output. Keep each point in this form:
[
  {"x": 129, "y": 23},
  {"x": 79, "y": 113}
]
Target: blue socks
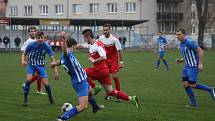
[
  {"x": 48, "y": 89},
  {"x": 203, "y": 87},
  {"x": 158, "y": 63},
  {"x": 93, "y": 103},
  {"x": 70, "y": 113},
  {"x": 26, "y": 90},
  {"x": 166, "y": 64},
  {"x": 191, "y": 96}
]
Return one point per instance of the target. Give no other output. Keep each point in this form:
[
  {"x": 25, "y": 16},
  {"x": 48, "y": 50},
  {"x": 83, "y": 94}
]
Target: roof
[{"x": 81, "y": 22}]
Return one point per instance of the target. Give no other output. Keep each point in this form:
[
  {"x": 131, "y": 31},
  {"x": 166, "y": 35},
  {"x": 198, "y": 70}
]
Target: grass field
[{"x": 162, "y": 96}]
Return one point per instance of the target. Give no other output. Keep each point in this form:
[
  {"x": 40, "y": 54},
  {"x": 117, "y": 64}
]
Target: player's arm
[
  {"x": 64, "y": 50},
  {"x": 121, "y": 53},
  {"x": 200, "y": 55},
  {"x": 102, "y": 55},
  {"x": 24, "y": 60},
  {"x": 56, "y": 74}
]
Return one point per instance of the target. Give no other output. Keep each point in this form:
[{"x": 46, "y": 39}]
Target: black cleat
[{"x": 25, "y": 103}]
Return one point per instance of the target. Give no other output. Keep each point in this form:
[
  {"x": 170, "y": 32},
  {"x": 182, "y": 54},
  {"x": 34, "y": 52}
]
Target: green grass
[{"x": 161, "y": 92}]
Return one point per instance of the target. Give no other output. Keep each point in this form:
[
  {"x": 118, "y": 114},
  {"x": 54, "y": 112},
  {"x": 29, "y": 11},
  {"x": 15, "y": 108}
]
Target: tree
[{"x": 202, "y": 13}]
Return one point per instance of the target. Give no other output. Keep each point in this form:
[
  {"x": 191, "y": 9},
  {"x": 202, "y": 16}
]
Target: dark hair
[
  {"x": 70, "y": 42},
  {"x": 39, "y": 33},
  {"x": 182, "y": 30},
  {"x": 107, "y": 25},
  {"x": 5, "y": 1},
  {"x": 32, "y": 27},
  {"x": 88, "y": 32}
]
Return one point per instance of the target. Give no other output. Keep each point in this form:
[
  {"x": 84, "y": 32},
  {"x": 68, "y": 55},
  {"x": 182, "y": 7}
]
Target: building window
[
  {"x": 162, "y": 27},
  {"x": 44, "y": 27},
  {"x": 59, "y": 9},
  {"x": 172, "y": 27},
  {"x": 28, "y": 10},
  {"x": 161, "y": 7},
  {"x": 112, "y": 7},
  {"x": 43, "y": 9},
  {"x": 130, "y": 7},
  {"x": 13, "y": 10},
  {"x": 77, "y": 8},
  {"x": 94, "y": 8}
]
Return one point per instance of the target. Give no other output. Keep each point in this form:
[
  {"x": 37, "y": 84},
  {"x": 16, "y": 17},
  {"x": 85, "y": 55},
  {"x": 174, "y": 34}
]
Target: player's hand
[
  {"x": 178, "y": 61},
  {"x": 201, "y": 67},
  {"x": 24, "y": 63},
  {"x": 121, "y": 65},
  {"x": 52, "y": 64},
  {"x": 91, "y": 59}
]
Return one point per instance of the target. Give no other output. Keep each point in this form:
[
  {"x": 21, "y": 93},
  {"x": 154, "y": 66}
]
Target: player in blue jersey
[
  {"x": 36, "y": 52},
  {"x": 193, "y": 57},
  {"x": 161, "y": 43},
  {"x": 78, "y": 78}
]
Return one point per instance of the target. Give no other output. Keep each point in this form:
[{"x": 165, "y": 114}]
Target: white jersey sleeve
[
  {"x": 118, "y": 44},
  {"x": 26, "y": 43},
  {"x": 101, "y": 51}
]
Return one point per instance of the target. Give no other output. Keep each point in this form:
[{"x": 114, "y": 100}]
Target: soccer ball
[{"x": 66, "y": 107}]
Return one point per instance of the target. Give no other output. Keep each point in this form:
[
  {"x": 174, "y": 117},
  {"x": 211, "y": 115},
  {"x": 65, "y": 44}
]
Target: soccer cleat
[
  {"x": 191, "y": 105},
  {"x": 118, "y": 100},
  {"x": 213, "y": 94},
  {"x": 51, "y": 100},
  {"x": 107, "y": 98},
  {"x": 41, "y": 93},
  {"x": 59, "y": 119},
  {"x": 25, "y": 103},
  {"x": 97, "y": 89},
  {"x": 134, "y": 101},
  {"x": 95, "y": 110}
]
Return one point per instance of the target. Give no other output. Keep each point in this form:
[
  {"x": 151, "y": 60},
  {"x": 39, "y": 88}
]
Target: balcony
[
  {"x": 173, "y": 1},
  {"x": 167, "y": 16}
]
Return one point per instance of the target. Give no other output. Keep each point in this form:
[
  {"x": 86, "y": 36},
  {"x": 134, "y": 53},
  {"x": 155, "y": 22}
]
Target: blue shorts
[
  {"x": 41, "y": 70},
  {"x": 81, "y": 88},
  {"x": 161, "y": 54},
  {"x": 191, "y": 74}
]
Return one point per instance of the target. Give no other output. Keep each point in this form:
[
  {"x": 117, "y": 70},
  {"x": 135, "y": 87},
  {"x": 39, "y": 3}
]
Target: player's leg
[
  {"x": 164, "y": 60},
  {"x": 158, "y": 61},
  {"x": 114, "y": 68},
  {"x": 30, "y": 70},
  {"x": 82, "y": 93},
  {"x": 42, "y": 73},
  {"x": 92, "y": 101},
  {"x": 91, "y": 75},
  {"x": 193, "y": 77}
]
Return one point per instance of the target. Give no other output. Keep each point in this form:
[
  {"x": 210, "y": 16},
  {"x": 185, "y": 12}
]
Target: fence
[{"x": 146, "y": 41}]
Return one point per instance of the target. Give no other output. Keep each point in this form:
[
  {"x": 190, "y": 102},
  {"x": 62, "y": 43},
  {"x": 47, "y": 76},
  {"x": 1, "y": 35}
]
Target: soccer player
[
  {"x": 100, "y": 70},
  {"x": 78, "y": 79},
  {"x": 160, "y": 50},
  {"x": 32, "y": 33},
  {"x": 112, "y": 46},
  {"x": 36, "y": 52},
  {"x": 193, "y": 57}
]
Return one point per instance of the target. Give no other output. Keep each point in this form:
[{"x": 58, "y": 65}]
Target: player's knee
[{"x": 185, "y": 84}]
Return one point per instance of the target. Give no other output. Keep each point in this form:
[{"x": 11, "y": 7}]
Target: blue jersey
[
  {"x": 73, "y": 68},
  {"x": 189, "y": 51},
  {"x": 36, "y": 53},
  {"x": 161, "y": 42}
]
